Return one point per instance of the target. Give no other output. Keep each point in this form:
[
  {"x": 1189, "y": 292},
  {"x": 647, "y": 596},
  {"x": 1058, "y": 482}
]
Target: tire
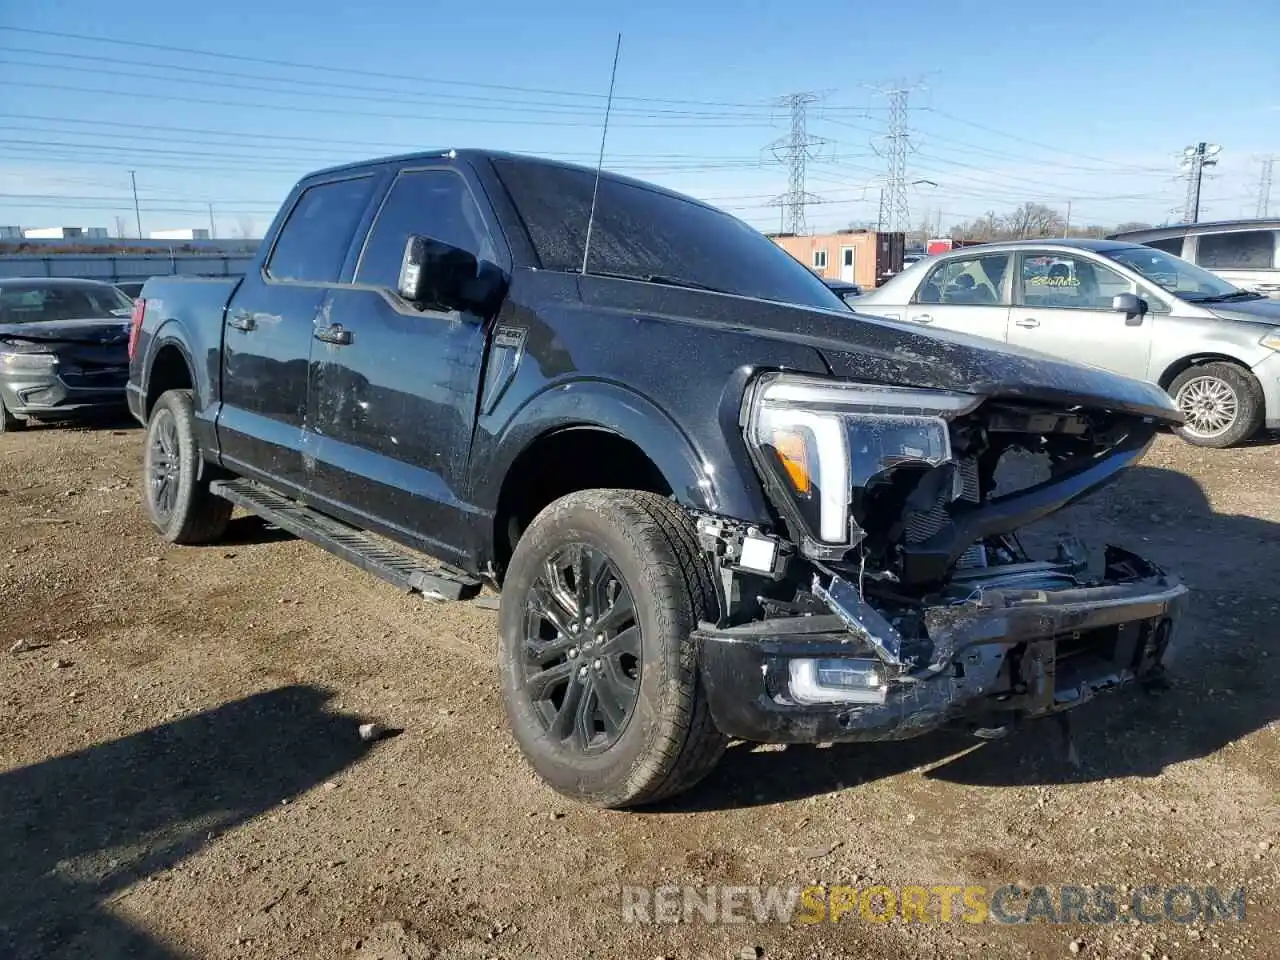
[
  {"x": 8, "y": 422},
  {"x": 658, "y": 738},
  {"x": 1224, "y": 401},
  {"x": 181, "y": 507}
]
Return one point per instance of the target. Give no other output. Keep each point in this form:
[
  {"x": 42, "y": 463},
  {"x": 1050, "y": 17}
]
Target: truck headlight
[
  {"x": 26, "y": 360},
  {"x": 816, "y": 440}
]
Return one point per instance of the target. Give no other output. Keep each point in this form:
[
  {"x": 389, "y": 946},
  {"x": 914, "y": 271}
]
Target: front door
[
  {"x": 848, "y": 266},
  {"x": 1063, "y": 307},
  {"x": 394, "y": 388},
  {"x": 267, "y": 332}
]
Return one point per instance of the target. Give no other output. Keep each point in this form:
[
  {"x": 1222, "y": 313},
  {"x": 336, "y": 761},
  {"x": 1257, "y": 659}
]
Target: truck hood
[
  {"x": 857, "y": 346},
  {"x": 95, "y": 331},
  {"x": 1265, "y": 311}
]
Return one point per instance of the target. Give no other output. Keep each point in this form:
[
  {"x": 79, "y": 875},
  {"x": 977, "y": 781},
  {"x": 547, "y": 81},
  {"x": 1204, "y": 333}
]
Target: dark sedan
[{"x": 63, "y": 349}]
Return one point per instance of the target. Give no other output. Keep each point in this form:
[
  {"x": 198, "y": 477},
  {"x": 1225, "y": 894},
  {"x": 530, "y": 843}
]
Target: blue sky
[{"x": 1087, "y": 102}]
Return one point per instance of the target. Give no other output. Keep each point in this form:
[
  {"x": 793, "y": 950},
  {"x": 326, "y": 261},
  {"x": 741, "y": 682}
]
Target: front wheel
[
  {"x": 1222, "y": 403},
  {"x": 175, "y": 492},
  {"x": 598, "y": 668},
  {"x": 8, "y": 422}
]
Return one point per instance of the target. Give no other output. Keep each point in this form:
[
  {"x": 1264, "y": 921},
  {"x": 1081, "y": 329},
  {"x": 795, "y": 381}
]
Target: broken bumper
[{"x": 1011, "y": 655}]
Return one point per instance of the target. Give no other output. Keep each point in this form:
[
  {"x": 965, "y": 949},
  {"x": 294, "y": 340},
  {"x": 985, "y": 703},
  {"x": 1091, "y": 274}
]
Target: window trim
[
  {"x": 1019, "y": 292},
  {"x": 1004, "y": 294},
  {"x": 264, "y": 270},
  {"x": 816, "y": 264}
]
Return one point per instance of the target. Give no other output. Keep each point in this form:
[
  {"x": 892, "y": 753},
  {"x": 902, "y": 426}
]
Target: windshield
[
  {"x": 644, "y": 234},
  {"x": 1177, "y": 276},
  {"x": 33, "y": 304}
]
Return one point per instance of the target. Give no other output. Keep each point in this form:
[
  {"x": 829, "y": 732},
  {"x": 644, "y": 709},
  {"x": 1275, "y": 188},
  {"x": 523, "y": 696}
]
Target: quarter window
[
  {"x": 314, "y": 240},
  {"x": 968, "y": 280},
  {"x": 1068, "y": 282},
  {"x": 429, "y": 203},
  {"x": 1247, "y": 250}
]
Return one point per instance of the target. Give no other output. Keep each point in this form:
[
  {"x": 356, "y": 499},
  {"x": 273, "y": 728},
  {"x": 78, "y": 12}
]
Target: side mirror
[
  {"x": 435, "y": 274},
  {"x": 1132, "y": 306}
]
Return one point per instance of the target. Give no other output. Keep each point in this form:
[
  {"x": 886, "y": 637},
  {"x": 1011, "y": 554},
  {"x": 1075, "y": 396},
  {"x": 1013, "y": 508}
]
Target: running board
[{"x": 351, "y": 544}]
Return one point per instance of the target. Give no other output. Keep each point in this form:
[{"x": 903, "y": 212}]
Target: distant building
[
  {"x": 864, "y": 257},
  {"x": 10, "y": 233},
  {"x": 184, "y": 233},
  {"x": 65, "y": 233}
]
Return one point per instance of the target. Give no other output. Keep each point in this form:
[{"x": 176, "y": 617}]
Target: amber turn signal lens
[{"x": 794, "y": 455}]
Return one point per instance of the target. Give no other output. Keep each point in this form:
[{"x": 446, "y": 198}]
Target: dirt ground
[{"x": 181, "y": 775}]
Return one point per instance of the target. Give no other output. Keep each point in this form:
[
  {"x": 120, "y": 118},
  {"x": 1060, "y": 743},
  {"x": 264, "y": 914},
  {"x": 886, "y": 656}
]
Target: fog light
[{"x": 837, "y": 680}]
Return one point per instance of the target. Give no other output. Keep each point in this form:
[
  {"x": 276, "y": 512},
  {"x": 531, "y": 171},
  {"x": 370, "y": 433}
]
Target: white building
[
  {"x": 65, "y": 233},
  {"x": 186, "y": 233}
]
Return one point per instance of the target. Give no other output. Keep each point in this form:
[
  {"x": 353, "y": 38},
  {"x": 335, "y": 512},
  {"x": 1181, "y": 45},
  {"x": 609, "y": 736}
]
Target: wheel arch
[{"x": 1175, "y": 369}]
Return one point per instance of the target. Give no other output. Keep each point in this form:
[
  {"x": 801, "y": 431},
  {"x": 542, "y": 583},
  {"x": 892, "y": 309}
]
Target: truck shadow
[
  {"x": 1222, "y": 686},
  {"x": 79, "y": 829}
]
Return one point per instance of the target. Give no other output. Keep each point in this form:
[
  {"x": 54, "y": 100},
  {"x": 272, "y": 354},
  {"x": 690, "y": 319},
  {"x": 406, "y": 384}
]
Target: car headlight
[
  {"x": 816, "y": 440},
  {"x": 26, "y": 360},
  {"x": 1272, "y": 339}
]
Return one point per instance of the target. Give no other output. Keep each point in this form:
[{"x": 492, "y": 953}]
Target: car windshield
[
  {"x": 645, "y": 234},
  {"x": 30, "y": 303},
  {"x": 1175, "y": 275}
]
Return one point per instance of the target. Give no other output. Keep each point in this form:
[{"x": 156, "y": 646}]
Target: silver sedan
[{"x": 1127, "y": 308}]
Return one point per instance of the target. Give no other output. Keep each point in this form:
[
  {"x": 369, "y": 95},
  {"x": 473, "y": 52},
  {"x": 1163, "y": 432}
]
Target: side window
[
  {"x": 1070, "y": 282},
  {"x": 430, "y": 203},
  {"x": 1171, "y": 245},
  {"x": 314, "y": 240},
  {"x": 969, "y": 280},
  {"x": 1253, "y": 249}
]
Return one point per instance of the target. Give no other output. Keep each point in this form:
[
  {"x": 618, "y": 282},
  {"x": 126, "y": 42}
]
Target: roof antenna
[{"x": 595, "y": 191}]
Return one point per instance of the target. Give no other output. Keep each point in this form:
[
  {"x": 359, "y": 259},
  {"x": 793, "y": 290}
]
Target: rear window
[
  {"x": 314, "y": 240},
  {"x": 1250, "y": 249},
  {"x": 639, "y": 232},
  {"x": 1168, "y": 245}
]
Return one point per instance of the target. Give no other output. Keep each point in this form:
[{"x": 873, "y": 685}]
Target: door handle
[
  {"x": 242, "y": 320},
  {"x": 334, "y": 333},
  {"x": 923, "y": 318},
  {"x": 1028, "y": 323}
]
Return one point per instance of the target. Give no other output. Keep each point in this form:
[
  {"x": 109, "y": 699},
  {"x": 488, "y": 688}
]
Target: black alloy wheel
[{"x": 582, "y": 649}]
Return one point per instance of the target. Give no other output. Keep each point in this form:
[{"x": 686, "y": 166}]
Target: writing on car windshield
[{"x": 642, "y": 233}]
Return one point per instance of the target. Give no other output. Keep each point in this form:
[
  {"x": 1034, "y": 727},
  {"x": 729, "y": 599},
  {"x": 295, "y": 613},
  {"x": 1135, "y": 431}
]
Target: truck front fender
[{"x": 715, "y": 483}]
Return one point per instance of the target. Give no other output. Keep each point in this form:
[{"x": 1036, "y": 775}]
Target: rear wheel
[
  {"x": 598, "y": 668},
  {"x": 8, "y": 422},
  {"x": 1222, "y": 404},
  {"x": 175, "y": 491}
]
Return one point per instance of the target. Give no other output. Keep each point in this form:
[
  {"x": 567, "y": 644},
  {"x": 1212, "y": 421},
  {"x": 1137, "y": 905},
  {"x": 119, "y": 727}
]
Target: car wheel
[
  {"x": 8, "y": 422},
  {"x": 598, "y": 668},
  {"x": 175, "y": 490},
  {"x": 1222, "y": 404}
]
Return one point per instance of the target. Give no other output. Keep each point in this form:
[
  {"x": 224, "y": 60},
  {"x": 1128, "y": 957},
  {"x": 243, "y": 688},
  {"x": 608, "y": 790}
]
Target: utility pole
[
  {"x": 1194, "y": 160},
  {"x": 795, "y": 150},
  {"x": 119, "y": 226},
  {"x": 1066, "y": 230},
  {"x": 137, "y": 212},
  {"x": 1264, "y": 187},
  {"x": 881, "y": 224},
  {"x": 213, "y": 229}
]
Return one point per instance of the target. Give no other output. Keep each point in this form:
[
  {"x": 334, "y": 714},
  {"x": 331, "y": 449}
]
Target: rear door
[
  {"x": 394, "y": 395},
  {"x": 1062, "y": 306},
  {"x": 268, "y": 331},
  {"x": 969, "y": 293}
]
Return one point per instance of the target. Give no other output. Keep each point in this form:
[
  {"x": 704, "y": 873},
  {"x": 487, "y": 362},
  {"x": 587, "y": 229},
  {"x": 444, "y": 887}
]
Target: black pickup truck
[{"x": 717, "y": 503}]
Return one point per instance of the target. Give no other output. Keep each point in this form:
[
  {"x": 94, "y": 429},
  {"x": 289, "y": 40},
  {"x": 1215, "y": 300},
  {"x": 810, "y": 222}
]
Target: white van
[{"x": 1243, "y": 252}]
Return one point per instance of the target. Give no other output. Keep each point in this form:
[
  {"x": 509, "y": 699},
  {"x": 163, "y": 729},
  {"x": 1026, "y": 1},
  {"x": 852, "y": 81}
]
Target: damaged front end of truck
[{"x": 896, "y": 597}]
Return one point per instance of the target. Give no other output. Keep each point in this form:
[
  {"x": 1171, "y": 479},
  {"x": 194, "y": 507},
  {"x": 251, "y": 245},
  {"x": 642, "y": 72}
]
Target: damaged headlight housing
[
  {"x": 816, "y": 440},
  {"x": 18, "y": 358}
]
